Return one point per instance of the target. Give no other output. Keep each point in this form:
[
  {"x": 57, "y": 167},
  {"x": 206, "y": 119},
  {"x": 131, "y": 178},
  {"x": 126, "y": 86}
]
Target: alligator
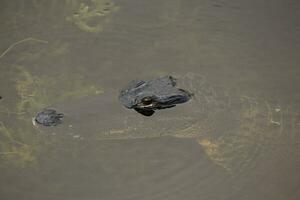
[{"x": 154, "y": 94}]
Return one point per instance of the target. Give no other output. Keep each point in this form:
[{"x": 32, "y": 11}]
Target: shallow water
[{"x": 236, "y": 139}]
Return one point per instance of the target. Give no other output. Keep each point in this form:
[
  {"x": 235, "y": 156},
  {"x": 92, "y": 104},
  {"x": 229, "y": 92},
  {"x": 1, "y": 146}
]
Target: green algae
[
  {"x": 233, "y": 150},
  {"x": 33, "y": 90},
  {"x": 13, "y": 150},
  {"x": 36, "y": 92},
  {"x": 91, "y": 18},
  {"x": 20, "y": 145},
  {"x": 239, "y": 149}
]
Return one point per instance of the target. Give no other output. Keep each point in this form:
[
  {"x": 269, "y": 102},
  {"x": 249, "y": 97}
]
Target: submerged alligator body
[
  {"x": 154, "y": 94},
  {"x": 230, "y": 127}
]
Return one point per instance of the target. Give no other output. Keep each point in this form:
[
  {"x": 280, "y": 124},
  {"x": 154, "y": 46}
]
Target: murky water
[{"x": 238, "y": 138}]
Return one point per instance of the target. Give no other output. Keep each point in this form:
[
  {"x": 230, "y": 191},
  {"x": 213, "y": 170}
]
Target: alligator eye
[{"x": 147, "y": 101}]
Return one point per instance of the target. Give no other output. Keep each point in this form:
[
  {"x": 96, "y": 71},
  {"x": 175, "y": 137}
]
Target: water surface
[{"x": 237, "y": 139}]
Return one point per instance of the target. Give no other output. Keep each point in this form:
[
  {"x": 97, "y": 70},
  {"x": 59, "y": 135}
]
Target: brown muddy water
[{"x": 238, "y": 138}]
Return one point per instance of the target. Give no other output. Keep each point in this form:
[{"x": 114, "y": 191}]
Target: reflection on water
[{"x": 233, "y": 140}]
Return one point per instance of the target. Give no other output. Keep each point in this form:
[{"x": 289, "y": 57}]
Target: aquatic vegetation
[
  {"x": 36, "y": 92},
  {"x": 19, "y": 145},
  {"x": 234, "y": 147},
  {"x": 29, "y": 97},
  {"x": 91, "y": 18},
  {"x": 14, "y": 151},
  {"x": 239, "y": 148},
  {"x": 20, "y": 42}
]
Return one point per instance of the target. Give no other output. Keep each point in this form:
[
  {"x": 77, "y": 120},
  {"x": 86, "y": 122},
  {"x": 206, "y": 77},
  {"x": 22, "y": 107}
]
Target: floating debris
[{"x": 76, "y": 136}]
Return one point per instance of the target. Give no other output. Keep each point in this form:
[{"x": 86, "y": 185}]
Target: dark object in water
[
  {"x": 154, "y": 94},
  {"x": 0, "y": 97},
  {"x": 48, "y": 117}
]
